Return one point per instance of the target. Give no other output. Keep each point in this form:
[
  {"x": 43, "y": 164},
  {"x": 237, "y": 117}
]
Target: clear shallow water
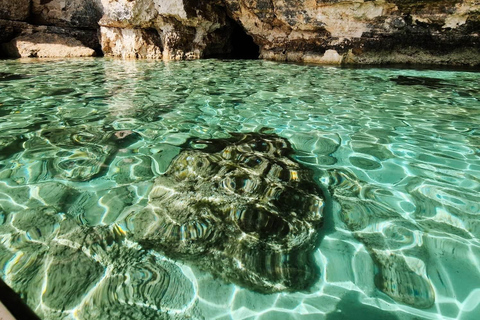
[{"x": 81, "y": 142}]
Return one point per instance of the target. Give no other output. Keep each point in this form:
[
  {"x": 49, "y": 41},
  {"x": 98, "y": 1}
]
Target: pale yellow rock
[
  {"x": 160, "y": 29},
  {"x": 46, "y": 45},
  {"x": 128, "y": 14},
  {"x": 130, "y": 43},
  {"x": 373, "y": 31},
  {"x": 461, "y": 14},
  {"x": 329, "y": 57},
  {"x": 351, "y": 20}
]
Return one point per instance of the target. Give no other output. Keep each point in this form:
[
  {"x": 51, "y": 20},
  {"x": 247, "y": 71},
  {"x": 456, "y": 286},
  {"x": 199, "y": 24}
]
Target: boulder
[{"x": 46, "y": 45}]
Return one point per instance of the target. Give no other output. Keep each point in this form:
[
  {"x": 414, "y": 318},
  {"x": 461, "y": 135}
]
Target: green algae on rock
[{"x": 239, "y": 208}]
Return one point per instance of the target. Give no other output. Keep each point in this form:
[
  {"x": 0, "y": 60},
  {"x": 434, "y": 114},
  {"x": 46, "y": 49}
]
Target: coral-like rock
[{"x": 240, "y": 208}]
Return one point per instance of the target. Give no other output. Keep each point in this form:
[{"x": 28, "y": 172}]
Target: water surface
[{"x": 81, "y": 142}]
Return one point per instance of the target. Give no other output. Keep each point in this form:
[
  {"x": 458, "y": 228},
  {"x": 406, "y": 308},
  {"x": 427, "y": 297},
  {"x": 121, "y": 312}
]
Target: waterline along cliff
[{"x": 318, "y": 31}]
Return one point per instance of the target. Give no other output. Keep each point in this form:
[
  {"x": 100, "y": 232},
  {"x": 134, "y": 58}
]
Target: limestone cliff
[
  {"x": 363, "y": 31},
  {"x": 168, "y": 29},
  {"x": 49, "y": 28},
  {"x": 322, "y": 31}
]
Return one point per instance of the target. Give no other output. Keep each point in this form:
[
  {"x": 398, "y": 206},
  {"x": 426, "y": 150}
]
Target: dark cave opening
[
  {"x": 232, "y": 42},
  {"x": 242, "y": 44}
]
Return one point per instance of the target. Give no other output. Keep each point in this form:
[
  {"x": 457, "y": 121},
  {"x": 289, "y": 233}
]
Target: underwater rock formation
[
  {"x": 66, "y": 271},
  {"x": 239, "y": 208},
  {"x": 77, "y": 153},
  {"x": 390, "y": 239}
]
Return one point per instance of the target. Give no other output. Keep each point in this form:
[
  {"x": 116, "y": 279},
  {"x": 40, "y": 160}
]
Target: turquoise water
[{"x": 397, "y": 152}]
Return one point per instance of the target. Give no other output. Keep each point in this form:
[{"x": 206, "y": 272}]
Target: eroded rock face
[
  {"x": 46, "y": 45},
  {"x": 239, "y": 208},
  {"x": 179, "y": 29},
  {"x": 319, "y": 31},
  {"x": 358, "y": 31},
  {"x": 72, "y": 13},
  {"x": 49, "y": 28},
  {"x": 131, "y": 43},
  {"x": 18, "y": 10}
]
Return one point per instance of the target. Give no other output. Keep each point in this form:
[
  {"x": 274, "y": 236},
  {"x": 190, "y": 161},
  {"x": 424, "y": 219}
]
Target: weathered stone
[
  {"x": 358, "y": 31},
  {"x": 18, "y": 10},
  {"x": 46, "y": 45},
  {"x": 10, "y": 29},
  {"x": 172, "y": 30},
  {"x": 72, "y": 13},
  {"x": 323, "y": 31},
  {"x": 131, "y": 43}
]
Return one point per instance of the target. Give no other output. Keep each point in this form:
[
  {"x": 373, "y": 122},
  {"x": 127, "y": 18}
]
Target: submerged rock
[
  {"x": 239, "y": 208},
  {"x": 431, "y": 83},
  {"x": 392, "y": 241},
  {"x": 90, "y": 273},
  {"x": 5, "y": 76},
  {"x": 79, "y": 153}
]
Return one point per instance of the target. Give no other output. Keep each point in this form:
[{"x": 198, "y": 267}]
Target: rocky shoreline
[{"x": 323, "y": 31}]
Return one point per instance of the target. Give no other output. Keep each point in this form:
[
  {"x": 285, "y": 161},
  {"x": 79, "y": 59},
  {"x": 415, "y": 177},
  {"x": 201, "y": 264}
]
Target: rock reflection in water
[{"x": 239, "y": 208}]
